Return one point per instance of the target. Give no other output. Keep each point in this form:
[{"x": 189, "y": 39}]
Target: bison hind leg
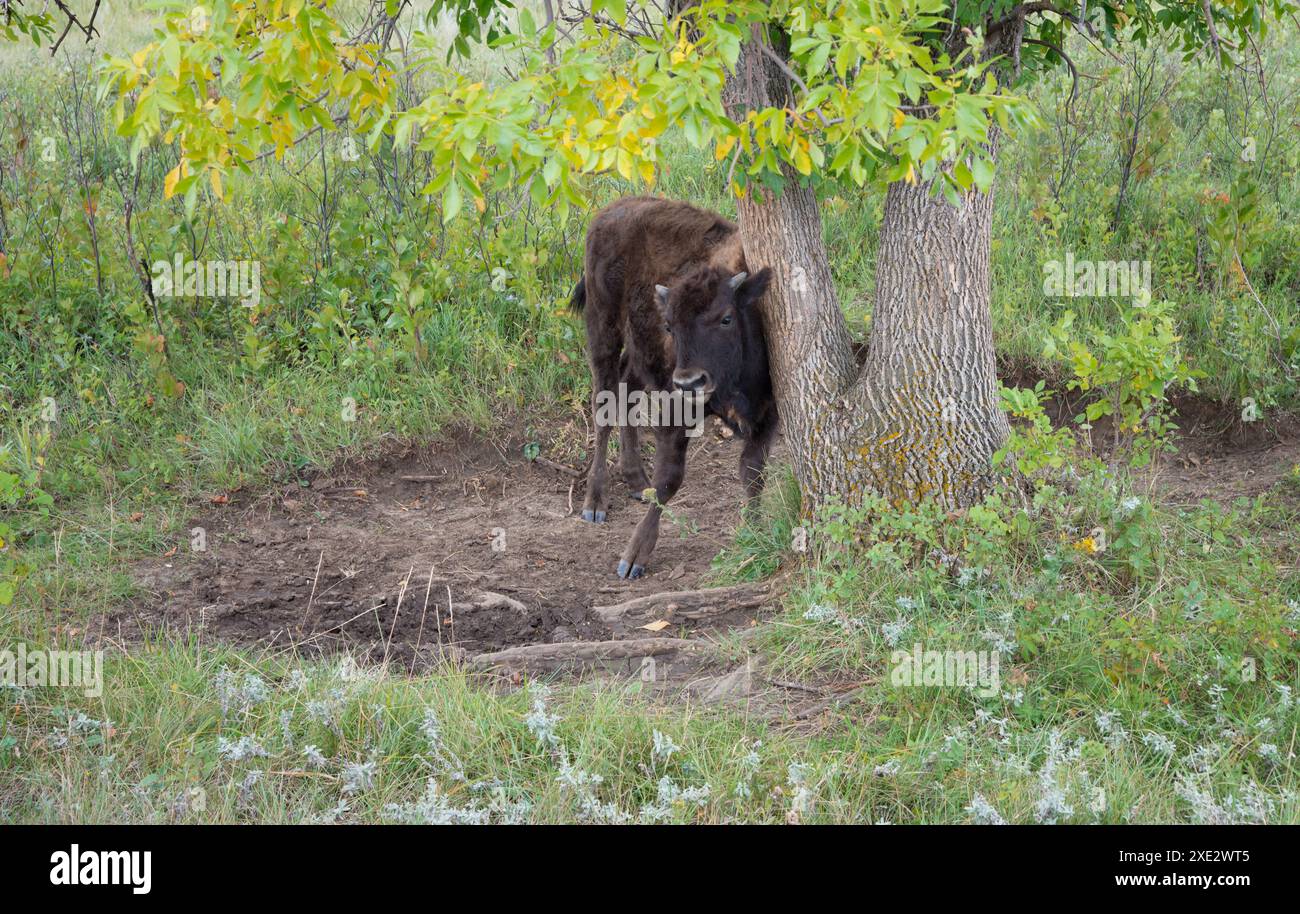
[
  {"x": 603, "y": 349},
  {"x": 629, "y": 461}
]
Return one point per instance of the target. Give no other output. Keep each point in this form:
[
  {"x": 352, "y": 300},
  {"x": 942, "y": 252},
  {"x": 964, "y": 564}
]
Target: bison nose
[{"x": 691, "y": 380}]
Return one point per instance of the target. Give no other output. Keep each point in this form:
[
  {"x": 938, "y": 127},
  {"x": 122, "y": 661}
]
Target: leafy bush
[{"x": 1130, "y": 371}]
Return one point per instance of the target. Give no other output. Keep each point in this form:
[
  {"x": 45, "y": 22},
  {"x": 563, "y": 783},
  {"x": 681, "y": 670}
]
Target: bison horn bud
[
  {"x": 736, "y": 280},
  {"x": 661, "y": 294}
]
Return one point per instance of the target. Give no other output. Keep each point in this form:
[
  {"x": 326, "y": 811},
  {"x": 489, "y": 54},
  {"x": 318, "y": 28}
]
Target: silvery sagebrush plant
[
  {"x": 1158, "y": 743},
  {"x": 539, "y": 722},
  {"x": 443, "y": 760},
  {"x": 826, "y": 614},
  {"x": 328, "y": 711},
  {"x": 286, "y": 728},
  {"x": 359, "y": 776},
  {"x": 579, "y": 784},
  {"x": 79, "y": 724},
  {"x": 982, "y": 812},
  {"x": 239, "y": 750},
  {"x": 1053, "y": 802},
  {"x": 435, "y": 808},
  {"x": 801, "y": 796},
  {"x": 749, "y": 764},
  {"x": 888, "y": 769},
  {"x": 1252, "y": 807},
  {"x": 239, "y": 693},
  {"x": 245, "y": 797},
  {"x": 893, "y": 632},
  {"x": 672, "y": 797},
  {"x": 583, "y": 786},
  {"x": 821, "y": 612},
  {"x": 331, "y": 815},
  {"x": 1111, "y": 729},
  {"x": 664, "y": 748}
]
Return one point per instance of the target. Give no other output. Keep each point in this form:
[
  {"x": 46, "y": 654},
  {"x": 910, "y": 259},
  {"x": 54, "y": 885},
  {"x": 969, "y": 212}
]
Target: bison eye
[{"x": 726, "y": 321}]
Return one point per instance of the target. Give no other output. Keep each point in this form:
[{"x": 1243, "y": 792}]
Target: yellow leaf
[
  {"x": 214, "y": 177},
  {"x": 724, "y": 146},
  {"x": 899, "y": 117},
  {"x": 169, "y": 182}
]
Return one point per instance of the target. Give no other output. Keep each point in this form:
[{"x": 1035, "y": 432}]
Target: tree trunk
[
  {"x": 810, "y": 349},
  {"x": 921, "y": 419},
  {"x": 927, "y": 400}
]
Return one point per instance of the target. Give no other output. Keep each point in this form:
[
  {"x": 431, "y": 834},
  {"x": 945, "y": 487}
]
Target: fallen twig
[{"x": 558, "y": 467}]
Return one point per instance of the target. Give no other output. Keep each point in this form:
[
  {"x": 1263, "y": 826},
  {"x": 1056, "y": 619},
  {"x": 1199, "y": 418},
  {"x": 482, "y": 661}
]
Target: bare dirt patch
[
  {"x": 1222, "y": 458},
  {"x": 461, "y": 548}
]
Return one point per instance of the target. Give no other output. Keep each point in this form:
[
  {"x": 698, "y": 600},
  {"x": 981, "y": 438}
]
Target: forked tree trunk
[{"x": 921, "y": 418}]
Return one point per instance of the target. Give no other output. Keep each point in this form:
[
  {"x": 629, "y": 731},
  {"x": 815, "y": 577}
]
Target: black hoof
[
  {"x": 593, "y": 517},
  {"x": 630, "y": 573}
]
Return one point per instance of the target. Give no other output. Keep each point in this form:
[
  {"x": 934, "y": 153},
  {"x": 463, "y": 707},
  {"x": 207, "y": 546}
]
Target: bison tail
[{"x": 578, "y": 301}]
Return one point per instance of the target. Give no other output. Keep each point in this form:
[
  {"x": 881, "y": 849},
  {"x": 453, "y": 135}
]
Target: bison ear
[
  {"x": 752, "y": 288},
  {"x": 661, "y": 297}
]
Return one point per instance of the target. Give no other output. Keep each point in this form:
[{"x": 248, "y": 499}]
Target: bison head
[{"x": 716, "y": 331}]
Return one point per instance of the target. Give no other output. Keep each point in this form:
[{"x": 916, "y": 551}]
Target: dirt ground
[
  {"x": 465, "y": 548},
  {"x": 1221, "y": 458},
  {"x": 407, "y": 557}
]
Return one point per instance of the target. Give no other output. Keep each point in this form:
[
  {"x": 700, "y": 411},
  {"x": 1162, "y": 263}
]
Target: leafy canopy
[{"x": 881, "y": 90}]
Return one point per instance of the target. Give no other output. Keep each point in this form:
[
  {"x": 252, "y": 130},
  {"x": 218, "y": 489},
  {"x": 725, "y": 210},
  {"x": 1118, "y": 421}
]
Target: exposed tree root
[
  {"x": 569, "y": 654},
  {"x": 692, "y": 605}
]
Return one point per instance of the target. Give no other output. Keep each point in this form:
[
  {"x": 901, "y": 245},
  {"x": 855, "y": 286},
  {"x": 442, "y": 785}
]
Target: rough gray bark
[
  {"x": 928, "y": 394},
  {"x": 809, "y": 346},
  {"x": 921, "y": 418}
]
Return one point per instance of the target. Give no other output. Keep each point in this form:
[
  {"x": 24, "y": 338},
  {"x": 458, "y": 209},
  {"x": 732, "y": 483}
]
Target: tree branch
[
  {"x": 87, "y": 28},
  {"x": 1214, "y": 32},
  {"x": 796, "y": 79},
  {"x": 1074, "y": 72},
  {"x": 1020, "y": 12}
]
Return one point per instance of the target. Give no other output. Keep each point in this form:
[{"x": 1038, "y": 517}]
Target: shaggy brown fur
[{"x": 700, "y": 333}]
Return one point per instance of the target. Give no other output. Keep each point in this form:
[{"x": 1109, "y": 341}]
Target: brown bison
[{"x": 671, "y": 312}]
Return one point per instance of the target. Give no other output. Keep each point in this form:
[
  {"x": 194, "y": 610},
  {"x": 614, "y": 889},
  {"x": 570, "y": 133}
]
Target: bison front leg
[
  {"x": 670, "y": 470},
  {"x": 752, "y": 460}
]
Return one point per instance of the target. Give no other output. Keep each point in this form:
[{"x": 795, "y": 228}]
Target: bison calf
[{"x": 671, "y": 310}]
